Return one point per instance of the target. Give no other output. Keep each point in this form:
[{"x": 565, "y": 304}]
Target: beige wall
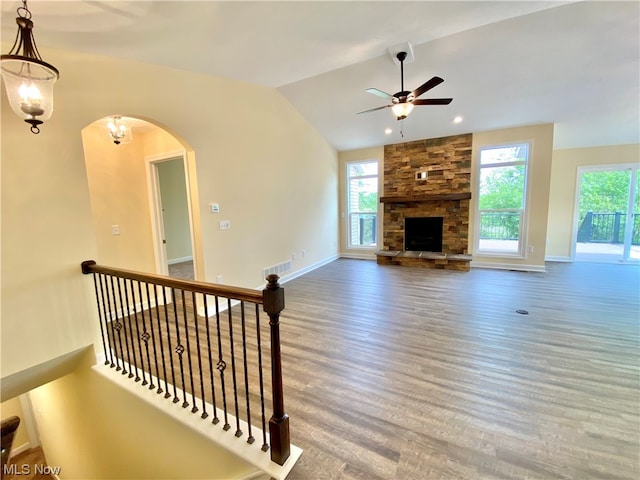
[
  {"x": 10, "y": 408},
  {"x": 159, "y": 142},
  {"x": 119, "y": 191},
  {"x": 360, "y": 155},
  {"x": 47, "y": 230},
  {"x": 93, "y": 429},
  {"x": 117, "y": 180},
  {"x": 564, "y": 177}
]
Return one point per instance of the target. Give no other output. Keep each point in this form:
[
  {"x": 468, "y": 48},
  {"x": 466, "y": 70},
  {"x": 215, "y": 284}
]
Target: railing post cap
[
  {"x": 86, "y": 266},
  {"x": 272, "y": 281}
]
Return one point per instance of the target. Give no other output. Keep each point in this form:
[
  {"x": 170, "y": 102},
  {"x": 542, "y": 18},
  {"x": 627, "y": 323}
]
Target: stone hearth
[{"x": 428, "y": 178}]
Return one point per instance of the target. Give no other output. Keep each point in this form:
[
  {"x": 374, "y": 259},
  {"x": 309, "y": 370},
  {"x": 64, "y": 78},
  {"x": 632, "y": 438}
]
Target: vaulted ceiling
[{"x": 505, "y": 64}]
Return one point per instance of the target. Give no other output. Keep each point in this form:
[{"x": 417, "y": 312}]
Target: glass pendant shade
[
  {"x": 29, "y": 88},
  {"x": 28, "y": 80},
  {"x": 401, "y": 110}
]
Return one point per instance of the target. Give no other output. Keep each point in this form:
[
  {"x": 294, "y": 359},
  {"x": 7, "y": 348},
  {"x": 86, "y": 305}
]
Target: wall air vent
[{"x": 278, "y": 269}]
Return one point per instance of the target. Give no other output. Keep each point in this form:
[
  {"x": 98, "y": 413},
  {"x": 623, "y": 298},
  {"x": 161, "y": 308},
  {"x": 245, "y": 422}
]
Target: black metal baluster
[
  {"x": 265, "y": 445},
  {"x": 116, "y": 319},
  {"x": 211, "y": 376},
  {"x": 110, "y": 336},
  {"x": 195, "y": 320},
  {"x": 170, "y": 351},
  {"x": 233, "y": 368},
  {"x": 153, "y": 338},
  {"x": 117, "y": 326},
  {"x": 131, "y": 349},
  {"x": 221, "y": 366},
  {"x": 194, "y": 409},
  {"x": 250, "y": 439},
  {"x": 133, "y": 302},
  {"x": 135, "y": 316},
  {"x": 104, "y": 344},
  {"x": 179, "y": 351},
  {"x": 145, "y": 334}
]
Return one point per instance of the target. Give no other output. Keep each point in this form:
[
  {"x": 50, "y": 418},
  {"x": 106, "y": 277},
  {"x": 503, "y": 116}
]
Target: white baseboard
[
  {"x": 179, "y": 260},
  {"x": 19, "y": 449},
  {"x": 557, "y": 259},
  {"x": 302, "y": 271},
  {"x": 509, "y": 266}
]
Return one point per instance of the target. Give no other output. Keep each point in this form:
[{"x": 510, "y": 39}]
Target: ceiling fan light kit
[
  {"x": 402, "y": 102},
  {"x": 401, "y": 110}
]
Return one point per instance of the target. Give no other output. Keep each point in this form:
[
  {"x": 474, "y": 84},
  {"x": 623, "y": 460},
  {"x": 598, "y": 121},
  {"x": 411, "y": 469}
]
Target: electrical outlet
[
  {"x": 115, "y": 229},
  {"x": 293, "y": 256},
  {"x": 225, "y": 224},
  {"x": 530, "y": 248},
  {"x": 219, "y": 279}
]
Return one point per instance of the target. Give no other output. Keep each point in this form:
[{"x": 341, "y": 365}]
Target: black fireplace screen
[{"x": 423, "y": 234}]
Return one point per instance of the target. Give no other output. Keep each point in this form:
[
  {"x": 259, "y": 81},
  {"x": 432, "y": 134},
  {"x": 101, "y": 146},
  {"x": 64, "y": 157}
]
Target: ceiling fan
[{"x": 403, "y": 102}]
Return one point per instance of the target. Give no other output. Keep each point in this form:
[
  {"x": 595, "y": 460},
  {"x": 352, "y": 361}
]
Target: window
[
  {"x": 501, "y": 200},
  {"x": 362, "y": 203}
]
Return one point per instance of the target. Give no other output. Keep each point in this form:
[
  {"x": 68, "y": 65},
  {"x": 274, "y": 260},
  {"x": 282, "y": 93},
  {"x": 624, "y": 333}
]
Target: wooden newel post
[{"x": 273, "y": 298}]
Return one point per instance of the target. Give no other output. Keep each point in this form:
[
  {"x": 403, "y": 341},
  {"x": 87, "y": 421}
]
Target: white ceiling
[{"x": 505, "y": 63}]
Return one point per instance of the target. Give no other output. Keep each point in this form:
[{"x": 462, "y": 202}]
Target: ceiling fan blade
[
  {"x": 380, "y": 93},
  {"x": 433, "y": 101},
  {"x": 374, "y": 109},
  {"x": 428, "y": 85}
]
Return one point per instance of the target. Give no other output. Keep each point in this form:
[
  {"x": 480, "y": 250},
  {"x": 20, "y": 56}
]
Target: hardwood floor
[
  {"x": 181, "y": 270},
  {"x": 402, "y": 373},
  {"x": 408, "y": 373},
  {"x": 29, "y": 465}
]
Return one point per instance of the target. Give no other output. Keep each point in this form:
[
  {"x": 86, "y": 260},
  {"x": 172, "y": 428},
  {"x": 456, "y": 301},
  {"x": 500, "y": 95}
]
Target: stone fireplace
[{"x": 426, "y": 180}]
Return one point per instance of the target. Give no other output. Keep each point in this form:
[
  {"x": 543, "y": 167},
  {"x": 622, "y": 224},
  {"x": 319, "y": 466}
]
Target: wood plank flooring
[
  {"x": 30, "y": 465},
  {"x": 411, "y": 374}
]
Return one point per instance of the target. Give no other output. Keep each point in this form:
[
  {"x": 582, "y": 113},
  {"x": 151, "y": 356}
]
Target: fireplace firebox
[{"x": 423, "y": 234}]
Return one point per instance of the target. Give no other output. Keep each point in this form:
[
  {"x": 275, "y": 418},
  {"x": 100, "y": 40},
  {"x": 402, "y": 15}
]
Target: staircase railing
[{"x": 185, "y": 339}]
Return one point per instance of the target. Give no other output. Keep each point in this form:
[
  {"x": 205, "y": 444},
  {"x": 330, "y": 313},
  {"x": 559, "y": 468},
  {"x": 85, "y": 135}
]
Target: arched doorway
[{"x": 143, "y": 198}]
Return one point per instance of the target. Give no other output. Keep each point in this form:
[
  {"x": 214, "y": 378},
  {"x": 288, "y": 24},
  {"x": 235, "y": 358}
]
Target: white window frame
[
  {"x": 348, "y": 204},
  {"x": 524, "y": 211}
]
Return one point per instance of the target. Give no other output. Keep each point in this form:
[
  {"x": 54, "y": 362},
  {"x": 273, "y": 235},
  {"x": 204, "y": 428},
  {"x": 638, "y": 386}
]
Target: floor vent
[{"x": 278, "y": 269}]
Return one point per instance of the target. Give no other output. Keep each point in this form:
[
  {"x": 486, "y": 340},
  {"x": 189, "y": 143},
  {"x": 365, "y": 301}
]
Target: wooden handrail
[{"x": 234, "y": 293}]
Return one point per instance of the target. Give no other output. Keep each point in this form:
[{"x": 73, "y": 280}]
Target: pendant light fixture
[
  {"x": 28, "y": 79},
  {"x": 119, "y": 131}
]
